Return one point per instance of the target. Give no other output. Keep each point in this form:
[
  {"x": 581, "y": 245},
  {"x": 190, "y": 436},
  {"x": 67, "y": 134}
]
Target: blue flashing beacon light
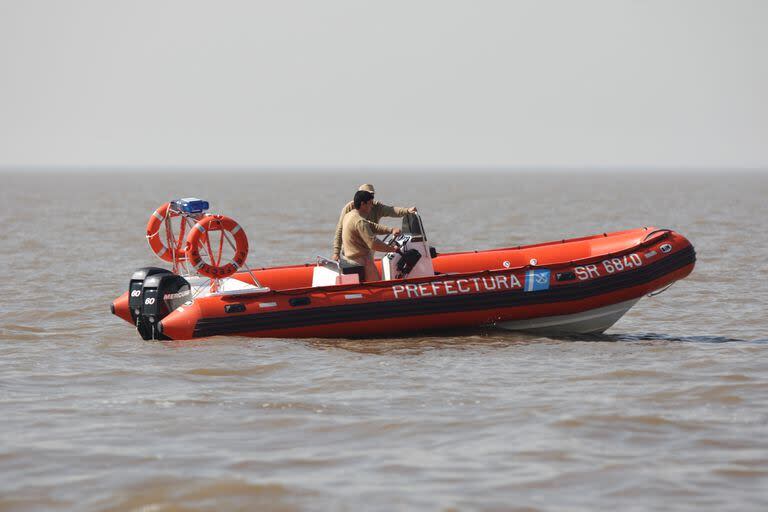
[{"x": 190, "y": 205}]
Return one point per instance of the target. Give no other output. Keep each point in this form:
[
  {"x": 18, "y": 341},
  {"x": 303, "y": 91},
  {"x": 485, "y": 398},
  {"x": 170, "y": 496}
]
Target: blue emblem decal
[{"x": 536, "y": 280}]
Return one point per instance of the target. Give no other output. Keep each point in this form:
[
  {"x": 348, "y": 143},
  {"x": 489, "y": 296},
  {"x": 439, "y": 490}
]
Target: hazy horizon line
[{"x": 346, "y": 168}]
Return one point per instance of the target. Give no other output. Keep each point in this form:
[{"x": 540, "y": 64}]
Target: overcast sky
[{"x": 362, "y": 83}]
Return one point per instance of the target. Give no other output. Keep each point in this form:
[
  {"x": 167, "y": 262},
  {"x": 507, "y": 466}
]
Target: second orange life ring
[{"x": 198, "y": 235}]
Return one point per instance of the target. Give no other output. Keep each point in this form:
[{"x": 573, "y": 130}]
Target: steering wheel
[{"x": 399, "y": 240}]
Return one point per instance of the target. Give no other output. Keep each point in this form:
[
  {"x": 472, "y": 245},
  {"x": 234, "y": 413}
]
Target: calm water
[{"x": 668, "y": 411}]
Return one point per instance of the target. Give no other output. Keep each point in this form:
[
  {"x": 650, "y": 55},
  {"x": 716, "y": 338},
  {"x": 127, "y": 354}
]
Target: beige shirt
[
  {"x": 357, "y": 236},
  {"x": 378, "y": 211}
]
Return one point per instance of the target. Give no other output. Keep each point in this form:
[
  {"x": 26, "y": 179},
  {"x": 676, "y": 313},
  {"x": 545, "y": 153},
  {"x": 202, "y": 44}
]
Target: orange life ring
[
  {"x": 169, "y": 250},
  {"x": 198, "y": 235}
]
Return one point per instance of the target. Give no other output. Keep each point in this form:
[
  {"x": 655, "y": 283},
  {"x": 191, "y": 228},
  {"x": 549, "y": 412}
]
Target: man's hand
[
  {"x": 396, "y": 231},
  {"x": 335, "y": 257},
  {"x": 412, "y": 209},
  {"x": 393, "y": 247}
]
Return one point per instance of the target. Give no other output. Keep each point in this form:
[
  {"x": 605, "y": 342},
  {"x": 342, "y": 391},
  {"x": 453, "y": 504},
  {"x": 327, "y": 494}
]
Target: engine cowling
[{"x": 161, "y": 293}]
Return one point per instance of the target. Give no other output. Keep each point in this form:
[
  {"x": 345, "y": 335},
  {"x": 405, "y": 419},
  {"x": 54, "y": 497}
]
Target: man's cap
[{"x": 368, "y": 188}]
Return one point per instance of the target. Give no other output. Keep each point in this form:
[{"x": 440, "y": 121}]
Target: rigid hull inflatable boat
[{"x": 575, "y": 286}]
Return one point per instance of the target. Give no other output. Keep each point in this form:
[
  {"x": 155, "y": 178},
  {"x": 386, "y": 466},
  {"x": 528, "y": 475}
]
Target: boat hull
[
  {"x": 551, "y": 294},
  {"x": 392, "y": 317},
  {"x": 591, "y": 321}
]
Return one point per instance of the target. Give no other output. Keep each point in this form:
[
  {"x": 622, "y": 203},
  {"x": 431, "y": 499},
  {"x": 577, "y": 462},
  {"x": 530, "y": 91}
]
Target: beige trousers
[{"x": 371, "y": 272}]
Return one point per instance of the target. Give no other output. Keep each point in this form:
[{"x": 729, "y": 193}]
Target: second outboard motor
[{"x": 160, "y": 294}]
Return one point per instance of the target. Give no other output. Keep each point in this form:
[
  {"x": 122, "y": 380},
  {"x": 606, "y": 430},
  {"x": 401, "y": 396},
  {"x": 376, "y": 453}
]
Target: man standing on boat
[
  {"x": 358, "y": 238},
  {"x": 377, "y": 211}
]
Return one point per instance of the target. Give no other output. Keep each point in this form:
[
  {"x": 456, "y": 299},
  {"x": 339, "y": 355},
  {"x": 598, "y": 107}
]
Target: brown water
[{"x": 668, "y": 411}]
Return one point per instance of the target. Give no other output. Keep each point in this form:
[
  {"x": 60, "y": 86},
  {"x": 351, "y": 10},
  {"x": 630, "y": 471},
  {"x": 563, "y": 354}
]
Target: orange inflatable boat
[{"x": 576, "y": 286}]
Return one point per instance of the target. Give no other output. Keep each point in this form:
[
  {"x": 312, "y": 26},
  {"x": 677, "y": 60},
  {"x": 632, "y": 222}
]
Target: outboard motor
[
  {"x": 134, "y": 288},
  {"x": 161, "y": 293}
]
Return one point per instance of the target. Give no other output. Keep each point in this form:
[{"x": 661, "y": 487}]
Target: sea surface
[{"x": 666, "y": 411}]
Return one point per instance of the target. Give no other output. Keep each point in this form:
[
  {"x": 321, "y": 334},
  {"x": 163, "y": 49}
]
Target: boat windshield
[{"x": 413, "y": 226}]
